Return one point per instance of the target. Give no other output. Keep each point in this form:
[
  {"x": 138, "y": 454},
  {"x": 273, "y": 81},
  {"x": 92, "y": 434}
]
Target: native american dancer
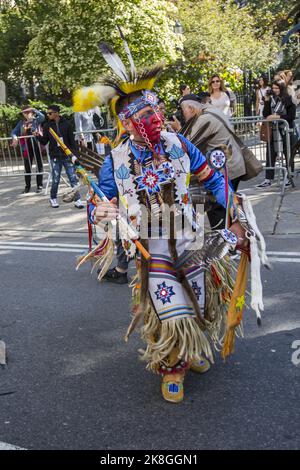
[{"x": 186, "y": 298}]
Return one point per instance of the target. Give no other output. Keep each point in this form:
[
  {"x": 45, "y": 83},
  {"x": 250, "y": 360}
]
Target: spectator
[
  {"x": 57, "y": 157},
  {"x": 84, "y": 124},
  {"x": 184, "y": 90},
  {"x": 289, "y": 87},
  {"x": 278, "y": 105},
  {"x": 260, "y": 94},
  {"x": 211, "y": 127},
  {"x": 207, "y": 128},
  {"x": 204, "y": 97},
  {"x": 280, "y": 77},
  {"x": 221, "y": 98},
  {"x": 162, "y": 107},
  {"x": 31, "y": 152}
]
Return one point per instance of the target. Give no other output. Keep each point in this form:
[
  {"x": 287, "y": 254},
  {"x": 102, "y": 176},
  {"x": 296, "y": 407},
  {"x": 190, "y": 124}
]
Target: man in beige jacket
[{"x": 207, "y": 128}]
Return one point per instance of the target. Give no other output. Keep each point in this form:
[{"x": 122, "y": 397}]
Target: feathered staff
[{"x": 124, "y": 224}]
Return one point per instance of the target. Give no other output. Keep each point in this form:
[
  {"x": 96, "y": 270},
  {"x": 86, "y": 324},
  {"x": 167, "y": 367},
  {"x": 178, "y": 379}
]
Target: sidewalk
[{"x": 31, "y": 215}]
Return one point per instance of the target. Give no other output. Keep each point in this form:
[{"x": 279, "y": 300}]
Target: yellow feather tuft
[
  {"x": 85, "y": 99},
  {"x": 146, "y": 84}
]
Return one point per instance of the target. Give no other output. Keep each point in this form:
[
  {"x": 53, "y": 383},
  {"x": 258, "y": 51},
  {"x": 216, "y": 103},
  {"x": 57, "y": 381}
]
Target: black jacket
[
  {"x": 63, "y": 129},
  {"x": 289, "y": 106}
]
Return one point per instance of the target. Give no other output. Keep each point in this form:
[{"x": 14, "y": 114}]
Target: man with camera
[{"x": 208, "y": 129}]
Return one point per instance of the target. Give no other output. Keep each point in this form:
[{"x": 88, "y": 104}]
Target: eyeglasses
[{"x": 215, "y": 81}]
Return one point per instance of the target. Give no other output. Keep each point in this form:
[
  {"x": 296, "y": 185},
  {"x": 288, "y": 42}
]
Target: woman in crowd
[
  {"x": 260, "y": 94},
  {"x": 278, "y": 105},
  {"x": 220, "y": 97},
  {"x": 23, "y": 134},
  {"x": 290, "y": 88}
]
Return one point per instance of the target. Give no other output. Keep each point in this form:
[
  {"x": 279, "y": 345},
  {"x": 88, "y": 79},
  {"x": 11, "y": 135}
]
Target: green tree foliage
[
  {"x": 222, "y": 38},
  {"x": 55, "y": 42},
  {"x": 64, "y": 48},
  {"x": 14, "y": 39}
]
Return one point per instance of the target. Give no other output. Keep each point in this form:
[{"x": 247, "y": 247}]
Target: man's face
[
  {"x": 187, "y": 111},
  {"x": 162, "y": 109},
  {"x": 149, "y": 120},
  {"x": 52, "y": 115}
]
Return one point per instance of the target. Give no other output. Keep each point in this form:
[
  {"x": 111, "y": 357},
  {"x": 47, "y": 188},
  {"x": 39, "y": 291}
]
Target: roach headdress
[{"x": 117, "y": 85}]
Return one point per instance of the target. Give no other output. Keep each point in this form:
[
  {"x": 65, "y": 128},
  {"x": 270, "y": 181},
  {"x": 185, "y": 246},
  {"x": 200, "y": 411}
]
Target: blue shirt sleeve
[
  {"x": 17, "y": 130},
  {"x": 106, "y": 183},
  {"x": 106, "y": 180},
  {"x": 196, "y": 157},
  {"x": 216, "y": 183}
]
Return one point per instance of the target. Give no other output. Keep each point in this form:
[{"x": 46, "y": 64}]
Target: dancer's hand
[
  {"x": 240, "y": 232},
  {"x": 106, "y": 211}
]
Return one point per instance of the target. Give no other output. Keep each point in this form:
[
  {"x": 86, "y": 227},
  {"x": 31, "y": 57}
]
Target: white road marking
[
  {"x": 275, "y": 256},
  {"x": 284, "y": 253},
  {"x": 51, "y": 245},
  {"x": 284, "y": 260},
  {"x": 40, "y": 248},
  {"x": 5, "y": 446}
]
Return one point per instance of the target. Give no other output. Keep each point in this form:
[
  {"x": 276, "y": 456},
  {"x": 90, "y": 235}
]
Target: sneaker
[
  {"x": 26, "y": 190},
  {"x": 54, "y": 203},
  {"x": 288, "y": 184},
  {"x": 79, "y": 204},
  {"x": 264, "y": 184},
  {"x": 113, "y": 275},
  {"x": 39, "y": 189}
]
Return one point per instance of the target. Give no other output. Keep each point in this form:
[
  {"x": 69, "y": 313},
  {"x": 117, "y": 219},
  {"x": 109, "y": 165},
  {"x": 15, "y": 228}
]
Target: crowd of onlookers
[
  {"x": 32, "y": 132},
  {"x": 216, "y": 106},
  {"x": 274, "y": 102}
]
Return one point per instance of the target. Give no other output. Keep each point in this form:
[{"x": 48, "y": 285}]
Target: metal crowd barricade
[
  {"x": 248, "y": 130},
  {"x": 26, "y": 158},
  {"x": 92, "y": 139},
  {"x": 30, "y": 158}
]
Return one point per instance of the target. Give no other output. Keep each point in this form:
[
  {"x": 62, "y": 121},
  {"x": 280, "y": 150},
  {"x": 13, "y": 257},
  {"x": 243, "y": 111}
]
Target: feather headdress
[{"x": 117, "y": 84}]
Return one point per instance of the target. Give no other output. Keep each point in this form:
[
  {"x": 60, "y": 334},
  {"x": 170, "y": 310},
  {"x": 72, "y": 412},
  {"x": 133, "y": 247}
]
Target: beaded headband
[{"x": 147, "y": 98}]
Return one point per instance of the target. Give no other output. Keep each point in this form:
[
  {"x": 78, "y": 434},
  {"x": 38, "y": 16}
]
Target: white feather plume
[
  {"x": 114, "y": 61},
  {"x": 128, "y": 52}
]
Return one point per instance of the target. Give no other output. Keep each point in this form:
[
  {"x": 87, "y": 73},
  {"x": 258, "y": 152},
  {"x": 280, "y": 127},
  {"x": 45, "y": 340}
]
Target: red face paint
[{"x": 151, "y": 123}]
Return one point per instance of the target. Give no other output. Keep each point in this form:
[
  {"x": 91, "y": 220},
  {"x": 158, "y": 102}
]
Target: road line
[
  {"x": 40, "y": 248},
  {"x": 275, "y": 256},
  {"x": 284, "y": 253},
  {"x": 46, "y": 245},
  {"x": 284, "y": 260},
  {"x": 5, "y": 446}
]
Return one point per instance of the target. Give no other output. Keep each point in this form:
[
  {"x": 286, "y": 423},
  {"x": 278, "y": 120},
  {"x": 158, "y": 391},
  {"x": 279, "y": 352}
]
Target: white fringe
[
  {"x": 256, "y": 285},
  {"x": 257, "y": 256},
  {"x": 247, "y": 206}
]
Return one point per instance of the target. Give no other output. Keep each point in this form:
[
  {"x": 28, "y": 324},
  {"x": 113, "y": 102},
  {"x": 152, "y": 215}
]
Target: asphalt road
[{"x": 71, "y": 382}]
